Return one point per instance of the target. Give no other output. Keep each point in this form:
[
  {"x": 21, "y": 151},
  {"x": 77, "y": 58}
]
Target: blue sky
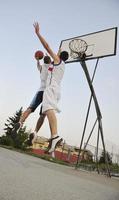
[{"x": 19, "y": 78}]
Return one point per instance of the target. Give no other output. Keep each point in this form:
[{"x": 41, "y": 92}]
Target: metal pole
[
  {"x": 90, "y": 134},
  {"x": 102, "y": 137},
  {"x": 97, "y": 150},
  {"x": 85, "y": 124},
  {"x": 99, "y": 116},
  {"x": 83, "y": 64}
]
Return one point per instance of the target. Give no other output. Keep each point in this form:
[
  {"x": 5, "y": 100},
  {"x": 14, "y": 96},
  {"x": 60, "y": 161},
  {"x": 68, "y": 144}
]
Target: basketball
[{"x": 39, "y": 55}]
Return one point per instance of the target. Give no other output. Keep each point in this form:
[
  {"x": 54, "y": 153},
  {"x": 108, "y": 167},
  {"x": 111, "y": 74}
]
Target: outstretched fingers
[{"x": 36, "y": 26}]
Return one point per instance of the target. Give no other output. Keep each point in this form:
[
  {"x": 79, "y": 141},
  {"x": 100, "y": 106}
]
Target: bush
[
  {"x": 20, "y": 141},
  {"x": 6, "y": 140}
]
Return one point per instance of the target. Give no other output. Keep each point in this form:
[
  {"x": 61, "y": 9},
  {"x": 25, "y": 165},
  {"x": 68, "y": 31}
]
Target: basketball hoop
[{"x": 78, "y": 48}]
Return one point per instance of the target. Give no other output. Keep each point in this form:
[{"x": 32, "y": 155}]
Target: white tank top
[{"x": 55, "y": 74}]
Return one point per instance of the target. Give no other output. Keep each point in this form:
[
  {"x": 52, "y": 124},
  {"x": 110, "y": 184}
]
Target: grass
[{"x": 44, "y": 157}]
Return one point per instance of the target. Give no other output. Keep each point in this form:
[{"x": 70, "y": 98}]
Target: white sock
[
  {"x": 54, "y": 142},
  {"x": 54, "y": 136}
]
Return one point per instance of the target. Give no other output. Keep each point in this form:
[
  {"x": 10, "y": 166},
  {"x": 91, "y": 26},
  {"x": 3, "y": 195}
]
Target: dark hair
[
  {"x": 47, "y": 60},
  {"x": 64, "y": 55}
]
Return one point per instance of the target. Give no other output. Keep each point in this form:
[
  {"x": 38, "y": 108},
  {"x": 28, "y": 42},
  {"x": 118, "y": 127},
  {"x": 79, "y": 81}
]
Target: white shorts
[{"x": 51, "y": 98}]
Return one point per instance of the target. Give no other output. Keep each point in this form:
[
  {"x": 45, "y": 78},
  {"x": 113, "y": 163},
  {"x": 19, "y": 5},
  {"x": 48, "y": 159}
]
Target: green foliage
[
  {"x": 115, "y": 168},
  {"x": 6, "y": 140},
  {"x": 18, "y": 140},
  {"x": 11, "y": 121},
  {"x": 103, "y": 158}
]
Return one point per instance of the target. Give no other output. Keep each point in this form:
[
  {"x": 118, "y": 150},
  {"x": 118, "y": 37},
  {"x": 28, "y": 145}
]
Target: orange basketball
[{"x": 39, "y": 55}]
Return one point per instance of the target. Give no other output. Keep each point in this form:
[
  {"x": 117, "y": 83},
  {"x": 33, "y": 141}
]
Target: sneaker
[
  {"x": 55, "y": 142},
  {"x": 16, "y": 128},
  {"x": 32, "y": 138}
]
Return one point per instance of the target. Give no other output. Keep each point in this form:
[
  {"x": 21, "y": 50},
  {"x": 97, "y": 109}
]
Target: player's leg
[
  {"x": 52, "y": 122},
  {"x": 55, "y": 138},
  {"x": 34, "y": 104},
  {"x": 53, "y": 127},
  {"x": 39, "y": 123},
  {"x": 50, "y": 100},
  {"x": 33, "y": 135},
  {"x": 25, "y": 114}
]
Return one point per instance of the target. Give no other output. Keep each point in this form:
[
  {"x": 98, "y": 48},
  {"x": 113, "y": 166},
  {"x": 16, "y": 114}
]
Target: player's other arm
[
  {"x": 39, "y": 66},
  {"x": 45, "y": 44}
]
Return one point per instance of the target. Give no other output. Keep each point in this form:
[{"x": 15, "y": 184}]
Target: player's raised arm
[{"x": 45, "y": 44}]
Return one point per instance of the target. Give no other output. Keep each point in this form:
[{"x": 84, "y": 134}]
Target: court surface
[{"x": 23, "y": 177}]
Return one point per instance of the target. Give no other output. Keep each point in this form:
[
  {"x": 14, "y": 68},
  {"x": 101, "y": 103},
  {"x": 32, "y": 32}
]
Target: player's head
[
  {"x": 47, "y": 59},
  {"x": 64, "y": 55}
]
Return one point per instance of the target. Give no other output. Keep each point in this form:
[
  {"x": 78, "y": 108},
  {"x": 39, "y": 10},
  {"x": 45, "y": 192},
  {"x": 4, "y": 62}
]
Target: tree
[
  {"x": 21, "y": 138},
  {"x": 17, "y": 140},
  {"x": 103, "y": 159},
  {"x": 11, "y": 121}
]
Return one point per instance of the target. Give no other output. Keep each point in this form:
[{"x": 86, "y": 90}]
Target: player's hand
[
  {"x": 37, "y": 58},
  {"x": 36, "y": 26}
]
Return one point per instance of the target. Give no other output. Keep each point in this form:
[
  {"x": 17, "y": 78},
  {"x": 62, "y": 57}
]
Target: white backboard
[{"x": 99, "y": 44}]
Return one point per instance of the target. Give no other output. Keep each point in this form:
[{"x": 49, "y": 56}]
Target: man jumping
[
  {"x": 51, "y": 94},
  {"x": 37, "y": 100}
]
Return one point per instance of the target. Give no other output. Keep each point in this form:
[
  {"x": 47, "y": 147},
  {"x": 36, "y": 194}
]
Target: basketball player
[
  {"x": 43, "y": 69},
  {"x": 51, "y": 94}
]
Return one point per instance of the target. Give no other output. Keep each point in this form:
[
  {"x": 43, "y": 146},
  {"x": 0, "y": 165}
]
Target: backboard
[{"x": 94, "y": 45}]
